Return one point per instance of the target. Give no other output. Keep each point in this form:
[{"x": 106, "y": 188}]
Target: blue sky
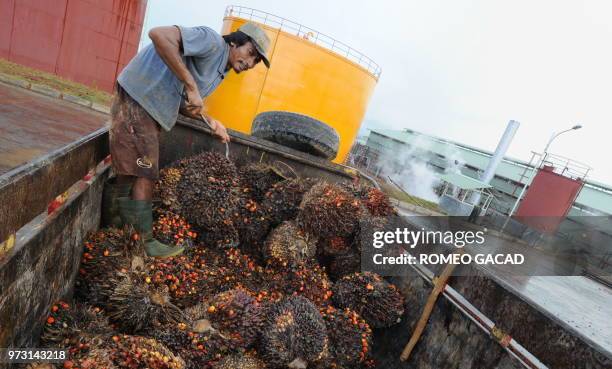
[{"x": 462, "y": 69}]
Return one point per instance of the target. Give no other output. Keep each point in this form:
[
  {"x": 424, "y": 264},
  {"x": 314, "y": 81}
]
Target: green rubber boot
[
  {"x": 110, "y": 206},
  {"x": 139, "y": 214}
]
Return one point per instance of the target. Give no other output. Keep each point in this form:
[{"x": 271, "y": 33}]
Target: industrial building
[{"x": 387, "y": 151}]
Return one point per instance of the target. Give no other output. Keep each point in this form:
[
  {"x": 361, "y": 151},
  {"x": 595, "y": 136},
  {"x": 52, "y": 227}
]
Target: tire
[{"x": 297, "y": 131}]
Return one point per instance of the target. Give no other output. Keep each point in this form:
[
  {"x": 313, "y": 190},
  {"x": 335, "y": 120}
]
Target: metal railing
[
  {"x": 306, "y": 33},
  {"x": 565, "y": 166}
]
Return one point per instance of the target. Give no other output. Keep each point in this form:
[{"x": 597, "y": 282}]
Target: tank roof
[{"x": 307, "y": 33}]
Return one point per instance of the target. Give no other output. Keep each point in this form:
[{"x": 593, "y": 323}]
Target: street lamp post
[
  {"x": 555, "y": 135},
  {"x": 520, "y": 196}
]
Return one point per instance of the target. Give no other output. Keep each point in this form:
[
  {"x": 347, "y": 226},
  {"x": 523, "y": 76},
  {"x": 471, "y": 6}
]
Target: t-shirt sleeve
[{"x": 199, "y": 41}]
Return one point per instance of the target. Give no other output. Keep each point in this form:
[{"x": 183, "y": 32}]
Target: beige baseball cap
[{"x": 261, "y": 41}]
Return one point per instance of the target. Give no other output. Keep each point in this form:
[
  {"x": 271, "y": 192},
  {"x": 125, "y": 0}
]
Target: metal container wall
[
  {"x": 548, "y": 200},
  {"x": 304, "y": 78},
  {"x": 87, "y": 41}
]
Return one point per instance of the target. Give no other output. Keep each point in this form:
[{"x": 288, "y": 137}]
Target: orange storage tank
[{"x": 310, "y": 74}]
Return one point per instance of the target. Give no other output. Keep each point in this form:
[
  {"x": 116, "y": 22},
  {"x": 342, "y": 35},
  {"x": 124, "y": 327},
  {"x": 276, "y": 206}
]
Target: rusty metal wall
[
  {"x": 87, "y": 41},
  {"x": 548, "y": 200}
]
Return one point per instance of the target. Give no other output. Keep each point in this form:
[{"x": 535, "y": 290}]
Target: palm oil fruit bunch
[
  {"x": 172, "y": 229},
  {"x": 283, "y": 199},
  {"x": 335, "y": 245},
  {"x": 142, "y": 352},
  {"x": 350, "y": 338},
  {"x": 239, "y": 268},
  {"x": 379, "y": 302},
  {"x": 105, "y": 252},
  {"x": 207, "y": 197},
  {"x": 376, "y": 201},
  {"x": 310, "y": 281},
  {"x": 65, "y": 324},
  {"x": 165, "y": 192},
  {"x": 185, "y": 280},
  {"x": 217, "y": 272},
  {"x": 173, "y": 335},
  {"x": 329, "y": 211},
  {"x": 288, "y": 246},
  {"x": 344, "y": 264},
  {"x": 252, "y": 223},
  {"x": 90, "y": 359},
  {"x": 256, "y": 179},
  {"x": 294, "y": 334},
  {"x": 135, "y": 304},
  {"x": 237, "y": 314},
  {"x": 198, "y": 348},
  {"x": 240, "y": 361}
]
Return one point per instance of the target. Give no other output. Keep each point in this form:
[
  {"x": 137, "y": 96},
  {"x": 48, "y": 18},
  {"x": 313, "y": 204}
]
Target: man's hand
[
  {"x": 193, "y": 104},
  {"x": 219, "y": 129}
]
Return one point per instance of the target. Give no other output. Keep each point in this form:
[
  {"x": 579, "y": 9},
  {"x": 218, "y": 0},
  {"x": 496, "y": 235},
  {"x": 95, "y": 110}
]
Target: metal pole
[{"x": 498, "y": 156}]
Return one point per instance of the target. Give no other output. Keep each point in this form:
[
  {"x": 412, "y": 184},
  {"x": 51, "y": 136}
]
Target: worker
[{"x": 182, "y": 65}]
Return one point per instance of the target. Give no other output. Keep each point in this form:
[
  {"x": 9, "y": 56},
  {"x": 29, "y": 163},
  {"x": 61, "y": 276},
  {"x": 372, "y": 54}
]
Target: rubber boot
[
  {"x": 139, "y": 213},
  {"x": 110, "y": 206}
]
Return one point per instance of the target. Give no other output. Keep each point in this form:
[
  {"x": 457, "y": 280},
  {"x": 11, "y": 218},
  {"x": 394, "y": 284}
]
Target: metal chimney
[
  {"x": 500, "y": 151},
  {"x": 498, "y": 155}
]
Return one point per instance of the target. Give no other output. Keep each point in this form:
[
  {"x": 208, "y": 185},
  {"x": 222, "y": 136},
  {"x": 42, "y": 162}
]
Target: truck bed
[{"x": 41, "y": 267}]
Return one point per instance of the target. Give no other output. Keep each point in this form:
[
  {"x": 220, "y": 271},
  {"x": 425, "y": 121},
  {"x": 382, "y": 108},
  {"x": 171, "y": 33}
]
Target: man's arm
[{"x": 168, "y": 44}]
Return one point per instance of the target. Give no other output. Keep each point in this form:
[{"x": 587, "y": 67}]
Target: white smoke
[{"x": 410, "y": 169}]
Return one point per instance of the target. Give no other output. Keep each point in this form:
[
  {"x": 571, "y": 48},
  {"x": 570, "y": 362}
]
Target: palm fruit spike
[
  {"x": 105, "y": 253},
  {"x": 173, "y": 229},
  {"x": 240, "y": 361},
  {"x": 282, "y": 201},
  {"x": 66, "y": 325},
  {"x": 207, "y": 197},
  {"x": 198, "y": 349},
  {"x": 136, "y": 305},
  {"x": 294, "y": 334},
  {"x": 164, "y": 192},
  {"x": 186, "y": 282},
  {"x": 335, "y": 246},
  {"x": 142, "y": 352},
  {"x": 350, "y": 338},
  {"x": 252, "y": 223},
  {"x": 287, "y": 245},
  {"x": 310, "y": 281},
  {"x": 90, "y": 359},
  {"x": 239, "y": 269},
  {"x": 374, "y": 299},
  {"x": 376, "y": 202},
  {"x": 256, "y": 179},
  {"x": 344, "y": 264},
  {"x": 329, "y": 211},
  {"x": 237, "y": 314}
]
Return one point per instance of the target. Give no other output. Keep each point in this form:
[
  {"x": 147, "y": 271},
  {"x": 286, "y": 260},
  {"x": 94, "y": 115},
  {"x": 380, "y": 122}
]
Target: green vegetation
[
  {"x": 51, "y": 80},
  {"x": 400, "y": 195}
]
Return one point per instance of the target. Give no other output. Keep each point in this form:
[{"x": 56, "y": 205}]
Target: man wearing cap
[{"x": 174, "y": 73}]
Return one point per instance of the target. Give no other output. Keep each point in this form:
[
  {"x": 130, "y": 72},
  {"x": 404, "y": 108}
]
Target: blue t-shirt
[{"x": 149, "y": 81}]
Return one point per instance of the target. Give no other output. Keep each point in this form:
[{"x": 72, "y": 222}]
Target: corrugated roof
[
  {"x": 593, "y": 195},
  {"x": 464, "y": 182}
]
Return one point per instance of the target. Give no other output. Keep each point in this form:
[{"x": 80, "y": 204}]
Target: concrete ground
[{"x": 32, "y": 124}]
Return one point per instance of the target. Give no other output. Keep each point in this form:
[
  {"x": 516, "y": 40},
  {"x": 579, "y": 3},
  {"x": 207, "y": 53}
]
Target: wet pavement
[
  {"x": 32, "y": 125},
  {"x": 579, "y": 304}
]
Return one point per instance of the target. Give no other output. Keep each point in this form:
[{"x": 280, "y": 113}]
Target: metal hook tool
[{"x": 211, "y": 127}]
